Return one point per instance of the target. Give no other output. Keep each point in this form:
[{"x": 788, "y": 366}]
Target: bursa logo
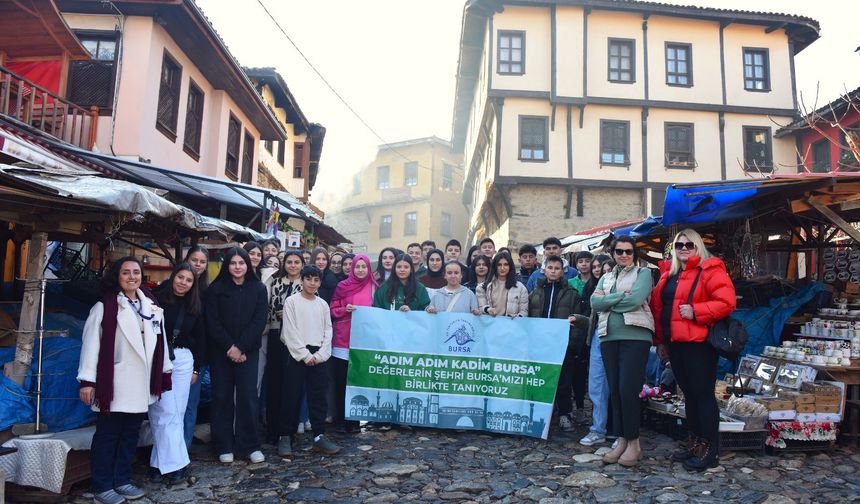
[{"x": 462, "y": 333}]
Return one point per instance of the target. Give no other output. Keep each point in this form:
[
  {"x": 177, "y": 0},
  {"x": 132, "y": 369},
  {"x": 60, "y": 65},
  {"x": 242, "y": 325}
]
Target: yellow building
[
  {"x": 411, "y": 192},
  {"x": 577, "y": 113}
]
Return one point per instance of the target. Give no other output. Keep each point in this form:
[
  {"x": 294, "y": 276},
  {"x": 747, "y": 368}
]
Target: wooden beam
[
  {"x": 835, "y": 219},
  {"x": 825, "y": 199},
  {"x": 29, "y": 310}
]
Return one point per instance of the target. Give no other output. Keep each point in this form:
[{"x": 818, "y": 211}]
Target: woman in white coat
[
  {"x": 124, "y": 368},
  {"x": 501, "y": 293}
]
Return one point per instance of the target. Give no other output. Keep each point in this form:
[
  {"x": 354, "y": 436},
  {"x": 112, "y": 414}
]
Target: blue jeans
[
  {"x": 112, "y": 449},
  {"x": 191, "y": 409},
  {"x": 598, "y": 388}
]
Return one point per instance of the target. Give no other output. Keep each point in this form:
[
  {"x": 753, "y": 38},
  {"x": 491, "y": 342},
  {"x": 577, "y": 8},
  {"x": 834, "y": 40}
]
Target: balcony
[{"x": 29, "y": 103}]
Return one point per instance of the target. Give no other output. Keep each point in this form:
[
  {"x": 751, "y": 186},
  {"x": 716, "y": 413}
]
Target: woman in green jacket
[{"x": 401, "y": 291}]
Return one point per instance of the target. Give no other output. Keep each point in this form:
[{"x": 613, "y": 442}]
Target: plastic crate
[
  {"x": 796, "y": 445},
  {"x": 748, "y": 440},
  {"x": 665, "y": 423}
]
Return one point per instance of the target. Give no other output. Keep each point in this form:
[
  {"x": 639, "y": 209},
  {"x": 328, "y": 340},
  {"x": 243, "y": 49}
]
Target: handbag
[{"x": 728, "y": 336}]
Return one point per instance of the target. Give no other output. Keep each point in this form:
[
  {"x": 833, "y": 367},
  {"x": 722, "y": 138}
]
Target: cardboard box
[
  {"x": 781, "y": 414},
  {"x": 805, "y": 417},
  {"x": 805, "y": 408},
  {"x": 821, "y": 389},
  {"x": 828, "y": 399},
  {"x": 827, "y": 408},
  {"x": 828, "y": 417},
  {"x": 776, "y": 404},
  {"x": 797, "y": 397}
]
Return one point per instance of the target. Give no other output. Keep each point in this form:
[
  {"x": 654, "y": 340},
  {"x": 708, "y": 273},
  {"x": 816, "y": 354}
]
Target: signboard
[{"x": 454, "y": 370}]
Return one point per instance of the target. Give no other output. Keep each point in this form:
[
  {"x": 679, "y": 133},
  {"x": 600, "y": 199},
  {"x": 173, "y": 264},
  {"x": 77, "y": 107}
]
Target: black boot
[
  {"x": 704, "y": 457},
  {"x": 687, "y": 448}
]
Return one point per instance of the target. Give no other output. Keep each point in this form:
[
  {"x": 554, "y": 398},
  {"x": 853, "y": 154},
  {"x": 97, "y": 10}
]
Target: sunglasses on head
[
  {"x": 685, "y": 245},
  {"x": 619, "y": 251}
]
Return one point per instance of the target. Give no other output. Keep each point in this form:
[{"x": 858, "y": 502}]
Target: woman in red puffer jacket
[{"x": 681, "y": 335}]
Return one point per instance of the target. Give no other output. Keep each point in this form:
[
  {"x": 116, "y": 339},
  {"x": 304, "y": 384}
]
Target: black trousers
[
  {"x": 234, "y": 422},
  {"x": 339, "y": 367},
  {"x": 314, "y": 379},
  {"x": 274, "y": 376},
  {"x": 564, "y": 392},
  {"x": 695, "y": 368},
  {"x": 580, "y": 379},
  {"x": 625, "y": 372}
]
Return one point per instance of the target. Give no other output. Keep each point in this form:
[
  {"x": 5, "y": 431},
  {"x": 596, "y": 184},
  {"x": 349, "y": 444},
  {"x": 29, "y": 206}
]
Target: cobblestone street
[{"x": 448, "y": 466}]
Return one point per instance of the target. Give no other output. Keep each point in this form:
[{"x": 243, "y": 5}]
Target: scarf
[
  {"x": 353, "y": 285},
  {"x": 159, "y": 381},
  {"x": 441, "y": 272}
]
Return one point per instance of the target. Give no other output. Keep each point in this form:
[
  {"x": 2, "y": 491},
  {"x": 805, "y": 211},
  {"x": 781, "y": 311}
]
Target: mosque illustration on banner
[{"x": 412, "y": 410}]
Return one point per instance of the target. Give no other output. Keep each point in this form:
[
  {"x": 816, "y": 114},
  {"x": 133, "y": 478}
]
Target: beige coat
[
  {"x": 132, "y": 354},
  {"x": 517, "y": 297}
]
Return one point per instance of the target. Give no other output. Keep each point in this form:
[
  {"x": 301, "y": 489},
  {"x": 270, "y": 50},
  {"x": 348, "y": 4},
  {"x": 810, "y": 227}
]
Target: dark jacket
[
  {"x": 191, "y": 334},
  {"x": 236, "y": 315},
  {"x": 567, "y": 303},
  {"x": 524, "y": 274},
  {"x": 328, "y": 283}
]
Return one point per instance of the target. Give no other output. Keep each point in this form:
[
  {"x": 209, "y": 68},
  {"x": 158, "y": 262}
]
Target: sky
[{"x": 395, "y": 63}]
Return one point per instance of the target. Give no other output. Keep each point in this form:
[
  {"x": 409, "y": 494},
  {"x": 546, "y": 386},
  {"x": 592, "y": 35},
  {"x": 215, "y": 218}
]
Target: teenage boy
[
  {"x": 306, "y": 331},
  {"x": 417, "y": 255},
  {"x": 453, "y": 249},
  {"x": 528, "y": 260},
  {"x": 555, "y": 298},
  {"x": 427, "y": 246},
  {"x": 551, "y": 248},
  {"x": 454, "y": 297},
  {"x": 488, "y": 247},
  {"x": 582, "y": 260}
]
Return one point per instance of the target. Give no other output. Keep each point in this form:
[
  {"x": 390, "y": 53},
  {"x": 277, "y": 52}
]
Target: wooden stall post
[{"x": 29, "y": 308}]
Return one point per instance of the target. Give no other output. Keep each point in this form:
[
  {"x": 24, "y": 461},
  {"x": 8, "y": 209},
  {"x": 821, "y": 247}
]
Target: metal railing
[{"x": 32, "y": 104}]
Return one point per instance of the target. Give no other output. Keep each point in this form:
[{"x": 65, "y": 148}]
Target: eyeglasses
[
  {"x": 619, "y": 251},
  {"x": 685, "y": 245}
]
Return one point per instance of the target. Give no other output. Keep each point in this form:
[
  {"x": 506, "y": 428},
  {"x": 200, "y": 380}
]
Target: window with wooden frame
[
  {"x": 410, "y": 224},
  {"x": 193, "y": 121},
  {"x": 756, "y": 69},
  {"x": 248, "y": 158},
  {"x": 385, "y": 226},
  {"x": 622, "y": 60},
  {"x": 92, "y": 82},
  {"x": 679, "y": 64},
  {"x": 282, "y": 152},
  {"x": 168, "y": 96},
  {"x": 447, "y": 176},
  {"x": 410, "y": 173},
  {"x": 298, "y": 160},
  {"x": 758, "y": 151},
  {"x": 511, "y": 57},
  {"x": 534, "y": 137},
  {"x": 382, "y": 181},
  {"x": 445, "y": 224},
  {"x": 821, "y": 156},
  {"x": 614, "y": 143},
  {"x": 234, "y": 133},
  {"x": 679, "y": 145},
  {"x": 270, "y": 146},
  {"x": 847, "y": 161}
]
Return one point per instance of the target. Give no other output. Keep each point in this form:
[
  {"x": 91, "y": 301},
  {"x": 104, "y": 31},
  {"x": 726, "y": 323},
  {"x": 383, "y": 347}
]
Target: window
[
  {"x": 385, "y": 226},
  {"x": 821, "y": 156},
  {"x": 382, "y": 177},
  {"x": 298, "y": 160},
  {"x": 534, "y": 132},
  {"x": 410, "y": 226},
  {"x": 757, "y": 149},
  {"x": 410, "y": 173},
  {"x": 847, "y": 161},
  {"x": 615, "y": 143},
  {"x": 168, "y": 97},
  {"x": 447, "y": 176},
  {"x": 282, "y": 152},
  {"x": 679, "y": 145},
  {"x": 193, "y": 121},
  {"x": 512, "y": 52},
  {"x": 231, "y": 167},
  {"x": 621, "y": 60},
  {"x": 92, "y": 82},
  {"x": 356, "y": 185},
  {"x": 248, "y": 159},
  {"x": 445, "y": 225},
  {"x": 756, "y": 70},
  {"x": 679, "y": 64},
  {"x": 270, "y": 146}
]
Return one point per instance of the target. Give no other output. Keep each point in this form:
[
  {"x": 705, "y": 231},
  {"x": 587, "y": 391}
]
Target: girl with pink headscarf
[{"x": 357, "y": 290}]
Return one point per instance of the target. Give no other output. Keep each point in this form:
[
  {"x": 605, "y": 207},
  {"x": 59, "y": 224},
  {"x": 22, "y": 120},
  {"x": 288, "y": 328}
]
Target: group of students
[{"x": 274, "y": 328}]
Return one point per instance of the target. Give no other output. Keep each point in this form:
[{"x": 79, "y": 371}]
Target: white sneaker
[
  {"x": 301, "y": 429},
  {"x": 592, "y": 438},
  {"x": 565, "y": 423},
  {"x": 308, "y": 427},
  {"x": 225, "y": 458},
  {"x": 257, "y": 457}
]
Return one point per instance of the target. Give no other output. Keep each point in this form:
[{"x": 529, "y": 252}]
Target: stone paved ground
[{"x": 448, "y": 466}]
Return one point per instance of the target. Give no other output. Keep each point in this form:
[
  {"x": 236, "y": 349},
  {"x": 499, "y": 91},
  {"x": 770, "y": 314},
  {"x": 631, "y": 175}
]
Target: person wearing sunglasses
[
  {"x": 625, "y": 329},
  {"x": 693, "y": 292}
]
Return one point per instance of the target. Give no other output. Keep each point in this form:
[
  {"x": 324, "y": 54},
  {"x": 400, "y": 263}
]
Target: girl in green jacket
[{"x": 401, "y": 291}]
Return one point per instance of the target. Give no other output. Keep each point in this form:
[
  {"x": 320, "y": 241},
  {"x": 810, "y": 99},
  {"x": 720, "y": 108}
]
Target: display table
[{"x": 821, "y": 435}]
